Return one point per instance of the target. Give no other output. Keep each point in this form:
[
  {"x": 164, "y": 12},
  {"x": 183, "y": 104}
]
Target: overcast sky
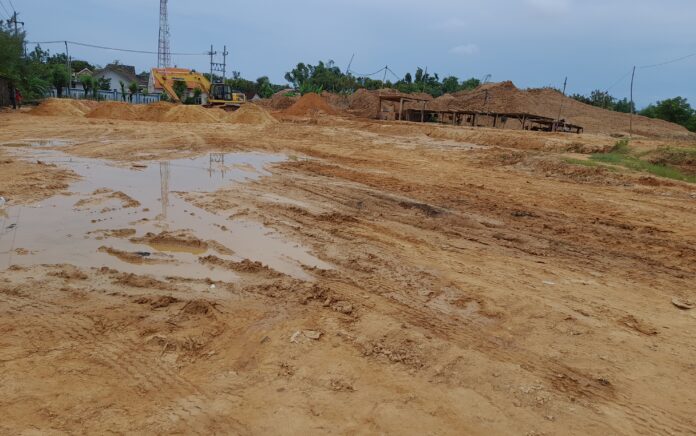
[{"x": 531, "y": 42}]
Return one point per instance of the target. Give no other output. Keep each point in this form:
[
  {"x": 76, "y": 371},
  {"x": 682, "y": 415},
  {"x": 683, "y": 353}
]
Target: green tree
[
  {"x": 132, "y": 90},
  {"x": 123, "y": 90},
  {"x": 59, "y": 78},
  {"x": 180, "y": 89},
  {"x": 450, "y": 84},
  {"x": 675, "y": 110},
  {"x": 86, "y": 82},
  {"x": 104, "y": 84}
]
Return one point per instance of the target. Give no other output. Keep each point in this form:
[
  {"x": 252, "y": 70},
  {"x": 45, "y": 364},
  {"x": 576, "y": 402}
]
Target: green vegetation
[
  {"x": 327, "y": 76},
  {"x": 180, "y": 89},
  {"x": 37, "y": 72},
  {"x": 675, "y": 110},
  {"x": 604, "y": 100},
  {"x": 621, "y": 155}
]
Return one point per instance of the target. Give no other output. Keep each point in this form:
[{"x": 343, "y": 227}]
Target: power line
[
  {"x": 82, "y": 44},
  {"x": 6, "y": 11},
  {"x": 13, "y": 7},
  {"x": 367, "y": 75},
  {"x": 621, "y": 79},
  {"x": 667, "y": 62}
]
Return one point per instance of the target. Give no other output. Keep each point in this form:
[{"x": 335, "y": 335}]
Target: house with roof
[{"x": 117, "y": 73}]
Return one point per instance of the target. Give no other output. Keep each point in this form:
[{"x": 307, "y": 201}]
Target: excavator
[{"x": 217, "y": 95}]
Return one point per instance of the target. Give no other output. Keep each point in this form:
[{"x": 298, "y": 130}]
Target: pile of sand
[
  {"x": 115, "y": 110},
  {"x": 280, "y": 100},
  {"x": 310, "y": 104},
  {"x": 338, "y": 101},
  {"x": 505, "y": 97},
  {"x": 364, "y": 103},
  {"x": 54, "y": 107},
  {"x": 156, "y": 111},
  {"x": 251, "y": 114},
  {"x": 193, "y": 114}
]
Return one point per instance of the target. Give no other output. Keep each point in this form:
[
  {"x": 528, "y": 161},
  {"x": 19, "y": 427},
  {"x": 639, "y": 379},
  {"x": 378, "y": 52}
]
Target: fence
[{"x": 77, "y": 93}]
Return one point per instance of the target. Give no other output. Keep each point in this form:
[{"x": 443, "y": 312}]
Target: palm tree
[{"x": 133, "y": 89}]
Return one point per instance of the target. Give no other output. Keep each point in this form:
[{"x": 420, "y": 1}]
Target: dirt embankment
[
  {"x": 505, "y": 97},
  {"x": 157, "y": 112}
]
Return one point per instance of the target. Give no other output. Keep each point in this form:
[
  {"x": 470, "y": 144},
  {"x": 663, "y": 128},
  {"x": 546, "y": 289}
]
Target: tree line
[{"x": 675, "y": 110}]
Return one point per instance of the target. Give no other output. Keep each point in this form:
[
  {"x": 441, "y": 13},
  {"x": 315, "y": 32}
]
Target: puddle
[{"x": 109, "y": 211}]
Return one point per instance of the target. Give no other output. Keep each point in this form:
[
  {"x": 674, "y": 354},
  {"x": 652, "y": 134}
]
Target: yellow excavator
[{"x": 215, "y": 94}]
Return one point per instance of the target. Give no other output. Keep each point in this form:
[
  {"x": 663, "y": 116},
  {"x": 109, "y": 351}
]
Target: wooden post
[
  {"x": 423, "y": 113},
  {"x": 401, "y": 109},
  {"x": 630, "y": 134}
]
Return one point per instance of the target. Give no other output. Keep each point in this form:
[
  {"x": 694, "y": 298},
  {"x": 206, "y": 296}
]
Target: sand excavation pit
[{"x": 350, "y": 276}]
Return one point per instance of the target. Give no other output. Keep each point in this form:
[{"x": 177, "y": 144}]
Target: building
[{"x": 116, "y": 74}]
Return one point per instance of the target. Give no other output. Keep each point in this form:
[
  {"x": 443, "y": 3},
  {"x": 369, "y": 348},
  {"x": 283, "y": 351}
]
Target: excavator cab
[{"x": 224, "y": 96}]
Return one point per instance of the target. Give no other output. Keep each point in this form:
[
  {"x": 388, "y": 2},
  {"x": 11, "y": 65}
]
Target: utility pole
[
  {"x": 224, "y": 63},
  {"x": 560, "y": 109},
  {"x": 384, "y": 79},
  {"x": 211, "y": 53},
  {"x": 67, "y": 55},
  {"x": 216, "y": 66},
  {"x": 633, "y": 76},
  {"x": 350, "y": 63},
  {"x": 14, "y": 21}
]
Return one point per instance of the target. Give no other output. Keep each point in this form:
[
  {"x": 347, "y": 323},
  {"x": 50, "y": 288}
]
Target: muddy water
[{"x": 111, "y": 205}]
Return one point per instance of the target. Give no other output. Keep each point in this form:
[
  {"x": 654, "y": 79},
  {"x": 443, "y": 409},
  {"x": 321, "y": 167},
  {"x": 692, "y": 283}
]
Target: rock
[
  {"x": 312, "y": 334},
  {"x": 295, "y": 336},
  {"x": 343, "y": 307},
  {"x": 683, "y": 304}
]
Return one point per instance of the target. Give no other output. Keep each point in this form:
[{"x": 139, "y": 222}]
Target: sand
[
  {"x": 251, "y": 114},
  {"x": 309, "y": 105},
  {"x": 477, "y": 283},
  {"x": 61, "y": 108}
]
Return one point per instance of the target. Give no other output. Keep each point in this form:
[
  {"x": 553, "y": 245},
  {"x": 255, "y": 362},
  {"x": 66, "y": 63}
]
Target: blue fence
[{"x": 79, "y": 94}]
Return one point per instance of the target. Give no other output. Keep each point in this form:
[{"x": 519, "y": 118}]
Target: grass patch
[{"x": 622, "y": 155}]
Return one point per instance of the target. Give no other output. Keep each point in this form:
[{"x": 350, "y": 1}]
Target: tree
[
  {"x": 78, "y": 65},
  {"x": 123, "y": 90},
  {"x": 132, "y": 89},
  {"x": 298, "y": 76},
  {"x": 59, "y": 78},
  {"x": 675, "y": 110},
  {"x": 86, "y": 81},
  {"x": 104, "y": 84},
  {"x": 180, "y": 89},
  {"x": 450, "y": 84}
]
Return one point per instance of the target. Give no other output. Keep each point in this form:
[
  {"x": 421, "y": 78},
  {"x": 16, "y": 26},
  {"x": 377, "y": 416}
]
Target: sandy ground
[{"x": 473, "y": 283}]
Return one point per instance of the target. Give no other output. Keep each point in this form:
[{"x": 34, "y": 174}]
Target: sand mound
[
  {"x": 364, "y": 103},
  {"x": 251, "y": 114},
  {"x": 156, "y": 111},
  {"x": 280, "y": 99},
  {"x": 115, "y": 110},
  {"x": 54, "y": 107},
  {"x": 310, "y": 104},
  {"x": 506, "y": 97},
  {"x": 337, "y": 101},
  {"x": 193, "y": 114}
]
